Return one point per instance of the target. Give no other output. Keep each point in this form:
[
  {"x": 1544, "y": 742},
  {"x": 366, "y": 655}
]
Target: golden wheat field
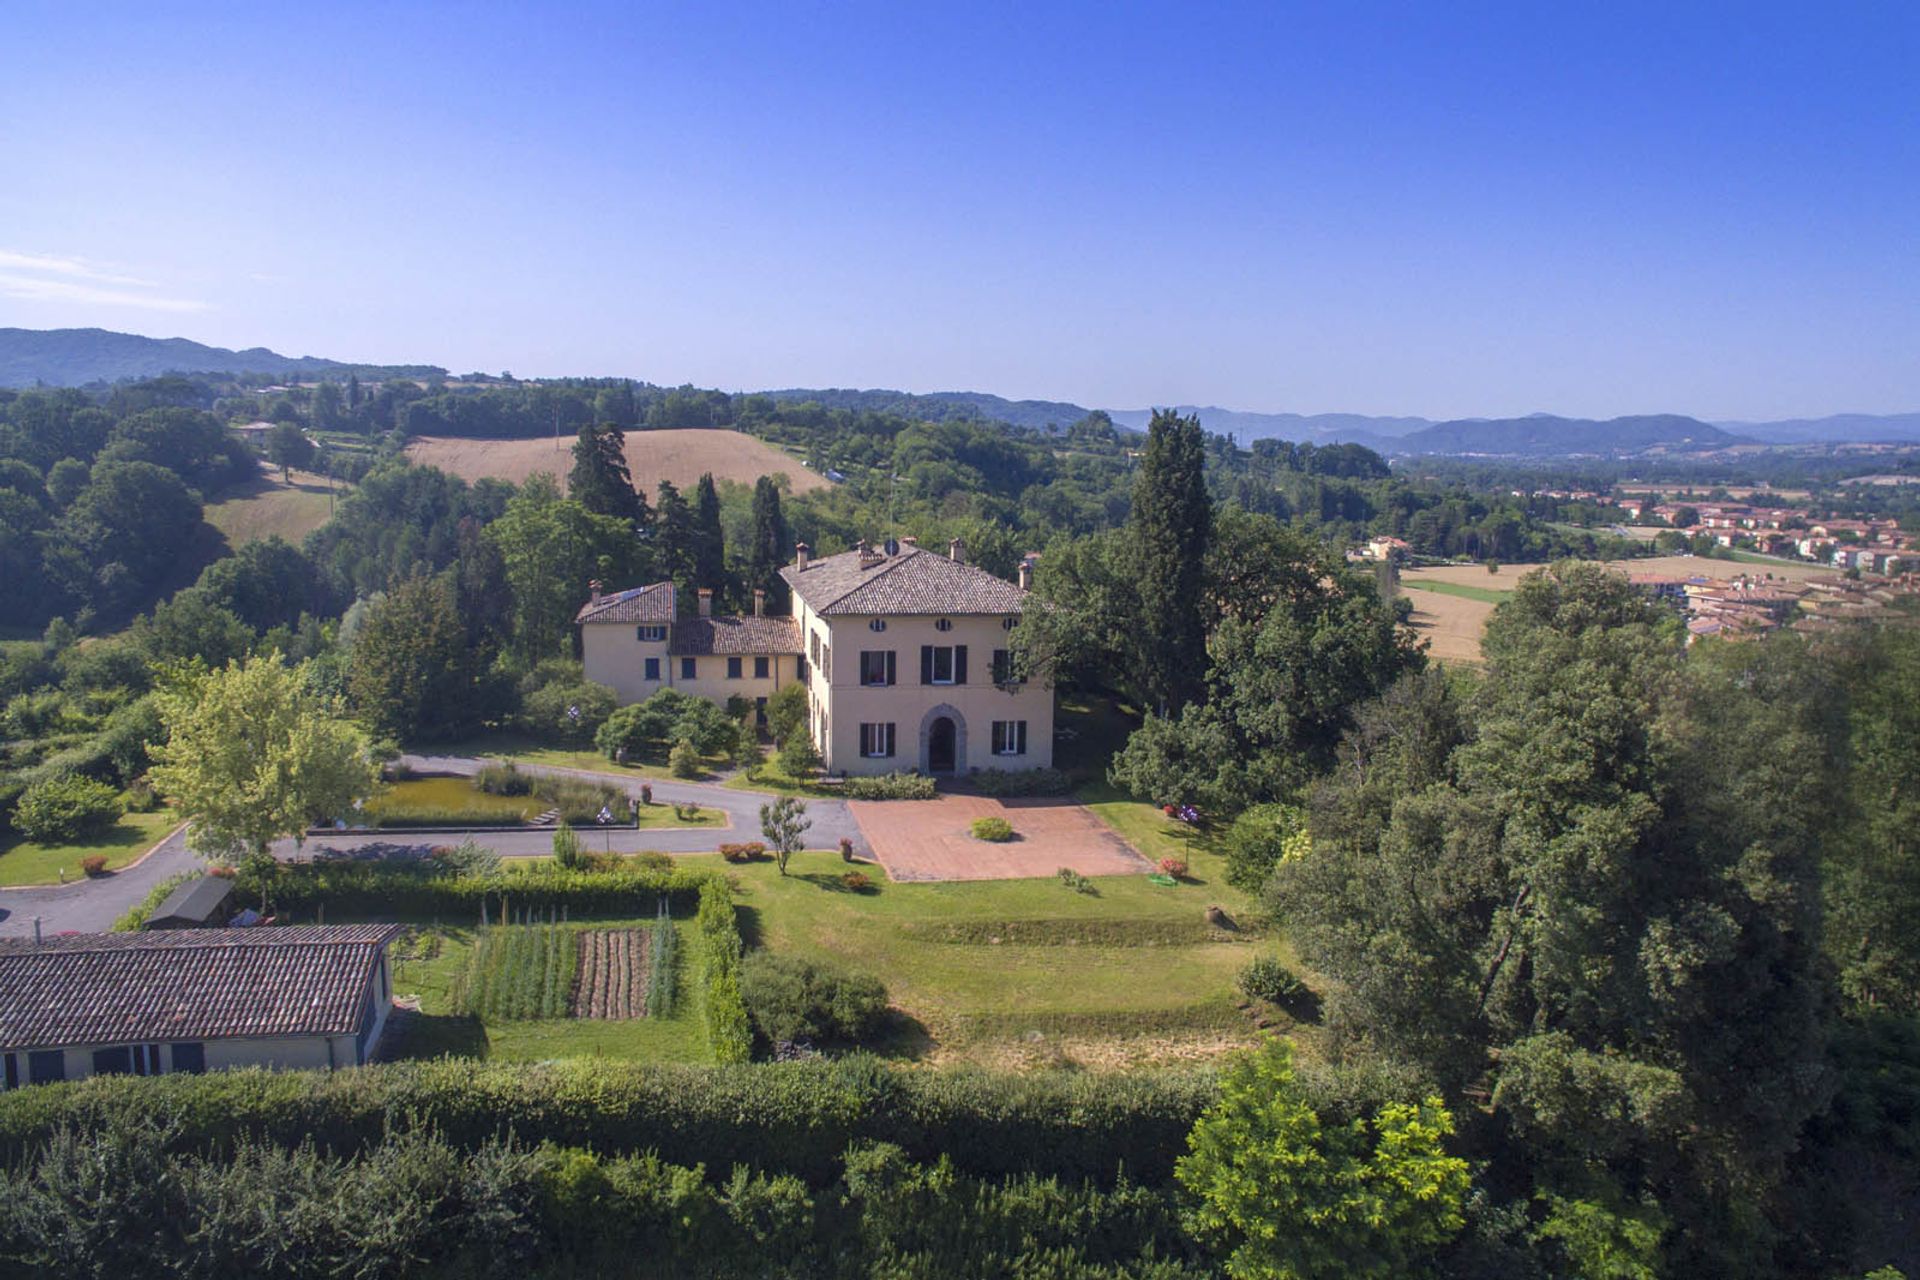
[{"x": 677, "y": 455}]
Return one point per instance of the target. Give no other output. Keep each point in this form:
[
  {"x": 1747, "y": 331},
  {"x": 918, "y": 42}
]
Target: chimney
[
  {"x": 910, "y": 540},
  {"x": 1026, "y": 571},
  {"x": 957, "y": 551},
  {"x": 759, "y": 601},
  {"x": 706, "y": 602},
  {"x": 801, "y": 553},
  {"x": 594, "y": 587}
]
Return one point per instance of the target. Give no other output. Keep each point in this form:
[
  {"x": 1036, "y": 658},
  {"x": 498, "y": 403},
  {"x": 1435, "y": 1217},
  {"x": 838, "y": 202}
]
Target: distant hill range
[{"x": 76, "y": 357}]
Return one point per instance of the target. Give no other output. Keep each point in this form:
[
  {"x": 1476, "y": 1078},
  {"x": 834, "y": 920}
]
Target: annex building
[
  {"x": 903, "y": 652},
  {"x": 192, "y": 1000}
]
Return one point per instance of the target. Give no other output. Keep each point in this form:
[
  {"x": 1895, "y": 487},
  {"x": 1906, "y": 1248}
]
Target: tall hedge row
[
  {"x": 797, "y": 1117},
  {"x": 122, "y": 1203},
  {"x": 424, "y": 890},
  {"x": 729, "y": 1034}
]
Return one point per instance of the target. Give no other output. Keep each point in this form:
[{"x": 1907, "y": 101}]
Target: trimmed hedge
[
  {"x": 123, "y": 1204},
  {"x": 794, "y": 1117},
  {"x": 424, "y": 889},
  {"x": 1020, "y": 782},
  {"x": 891, "y": 786},
  {"x": 729, "y": 1034}
]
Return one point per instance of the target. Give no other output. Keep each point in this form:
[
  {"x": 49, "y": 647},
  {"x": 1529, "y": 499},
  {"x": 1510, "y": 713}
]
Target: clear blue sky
[{"x": 1432, "y": 208}]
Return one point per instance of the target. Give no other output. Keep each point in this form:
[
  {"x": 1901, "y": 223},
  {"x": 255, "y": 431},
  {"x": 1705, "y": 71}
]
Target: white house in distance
[
  {"x": 907, "y": 663},
  {"x": 921, "y": 680},
  {"x": 192, "y": 1000}
]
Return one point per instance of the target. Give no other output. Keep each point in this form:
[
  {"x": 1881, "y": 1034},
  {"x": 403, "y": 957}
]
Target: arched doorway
[
  {"x": 940, "y": 746},
  {"x": 943, "y": 741}
]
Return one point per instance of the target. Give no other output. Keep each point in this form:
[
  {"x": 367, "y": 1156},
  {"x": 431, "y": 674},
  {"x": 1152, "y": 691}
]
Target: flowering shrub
[
  {"x": 857, "y": 881},
  {"x": 751, "y": 851},
  {"x": 1175, "y": 867},
  {"x": 94, "y": 864}
]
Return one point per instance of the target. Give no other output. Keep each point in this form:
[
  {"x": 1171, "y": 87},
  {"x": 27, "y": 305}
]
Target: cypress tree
[
  {"x": 709, "y": 540},
  {"x": 768, "y": 549},
  {"x": 1171, "y": 525},
  {"x": 673, "y": 542}
]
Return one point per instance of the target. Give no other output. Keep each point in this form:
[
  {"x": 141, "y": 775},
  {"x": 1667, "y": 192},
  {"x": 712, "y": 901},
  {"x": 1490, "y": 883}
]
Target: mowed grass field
[
  {"x": 681, "y": 456},
  {"x": 1021, "y": 973},
  {"x": 267, "y": 507}
]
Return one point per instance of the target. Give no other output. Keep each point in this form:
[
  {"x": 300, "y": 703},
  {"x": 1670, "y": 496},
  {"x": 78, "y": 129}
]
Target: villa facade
[{"x": 904, "y": 653}]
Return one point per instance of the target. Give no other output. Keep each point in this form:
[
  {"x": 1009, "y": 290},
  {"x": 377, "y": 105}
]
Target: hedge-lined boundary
[
  {"x": 426, "y": 891},
  {"x": 123, "y": 1204},
  {"x": 729, "y": 1034},
  {"x": 792, "y": 1117}
]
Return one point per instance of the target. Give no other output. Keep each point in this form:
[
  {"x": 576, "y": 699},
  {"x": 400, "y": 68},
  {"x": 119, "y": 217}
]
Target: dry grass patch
[{"x": 679, "y": 455}]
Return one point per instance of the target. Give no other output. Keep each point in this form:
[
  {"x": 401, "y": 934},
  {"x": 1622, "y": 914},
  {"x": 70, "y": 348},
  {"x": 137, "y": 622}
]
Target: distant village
[{"x": 1876, "y": 564}]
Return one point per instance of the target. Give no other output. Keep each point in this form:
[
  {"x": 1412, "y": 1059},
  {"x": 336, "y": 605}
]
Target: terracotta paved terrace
[{"x": 931, "y": 840}]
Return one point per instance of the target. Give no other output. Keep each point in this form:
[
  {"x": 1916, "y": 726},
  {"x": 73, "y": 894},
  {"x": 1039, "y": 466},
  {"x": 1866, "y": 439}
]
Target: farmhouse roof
[
  {"x": 695, "y": 636},
  {"x": 651, "y": 603},
  {"x": 189, "y": 984},
  {"x": 911, "y": 581}
]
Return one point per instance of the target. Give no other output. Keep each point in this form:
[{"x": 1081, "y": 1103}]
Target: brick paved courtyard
[{"x": 930, "y": 839}]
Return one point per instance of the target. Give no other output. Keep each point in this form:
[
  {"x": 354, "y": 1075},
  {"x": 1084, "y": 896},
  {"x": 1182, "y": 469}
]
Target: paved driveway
[
  {"x": 932, "y": 839},
  {"x": 91, "y": 906}
]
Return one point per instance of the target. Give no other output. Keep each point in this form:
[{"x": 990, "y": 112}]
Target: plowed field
[
  {"x": 612, "y": 974},
  {"x": 652, "y": 456}
]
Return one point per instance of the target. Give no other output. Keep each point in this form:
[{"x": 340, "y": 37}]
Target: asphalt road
[{"x": 91, "y": 906}]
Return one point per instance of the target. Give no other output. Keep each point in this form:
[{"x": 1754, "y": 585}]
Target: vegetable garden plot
[
  {"x": 518, "y": 971},
  {"x": 612, "y": 973}
]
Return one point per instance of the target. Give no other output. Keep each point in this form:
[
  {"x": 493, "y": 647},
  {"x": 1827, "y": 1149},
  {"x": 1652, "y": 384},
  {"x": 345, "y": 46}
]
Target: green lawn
[
  {"x": 523, "y": 750},
  {"x": 981, "y": 968},
  {"x": 1486, "y": 595},
  {"x": 25, "y": 863},
  {"x": 439, "y": 1031}
]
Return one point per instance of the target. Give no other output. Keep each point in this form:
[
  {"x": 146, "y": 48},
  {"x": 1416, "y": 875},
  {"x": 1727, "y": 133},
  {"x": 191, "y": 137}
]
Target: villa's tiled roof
[
  {"x": 651, "y": 603},
  {"x": 186, "y": 984},
  {"x": 915, "y": 581},
  {"x": 692, "y": 637}
]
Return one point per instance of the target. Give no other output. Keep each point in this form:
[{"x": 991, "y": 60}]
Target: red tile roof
[
  {"x": 913, "y": 581},
  {"x": 189, "y": 984},
  {"x": 651, "y": 603},
  {"x": 695, "y": 636}
]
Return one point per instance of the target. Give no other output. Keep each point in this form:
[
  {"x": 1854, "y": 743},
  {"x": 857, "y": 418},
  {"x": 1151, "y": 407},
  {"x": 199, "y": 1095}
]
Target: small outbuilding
[
  {"x": 192, "y": 1000},
  {"x": 200, "y": 903}
]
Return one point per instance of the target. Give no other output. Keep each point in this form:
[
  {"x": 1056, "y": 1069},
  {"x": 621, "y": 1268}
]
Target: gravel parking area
[{"x": 931, "y": 840}]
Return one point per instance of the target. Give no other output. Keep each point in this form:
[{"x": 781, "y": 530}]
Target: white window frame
[
  {"x": 650, "y": 632},
  {"x": 877, "y": 740},
  {"x": 1009, "y": 737},
  {"x": 952, "y": 664}
]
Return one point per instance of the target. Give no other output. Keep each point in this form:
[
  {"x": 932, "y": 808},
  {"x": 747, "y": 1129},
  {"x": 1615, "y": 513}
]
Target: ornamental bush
[
  {"x": 790, "y": 998},
  {"x": 568, "y": 711},
  {"x": 1267, "y": 978},
  {"x": 66, "y": 809},
  {"x": 891, "y": 786},
  {"x": 684, "y": 761},
  {"x": 998, "y": 830}
]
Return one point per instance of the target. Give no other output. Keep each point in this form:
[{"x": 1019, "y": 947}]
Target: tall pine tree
[
  {"x": 767, "y": 550},
  {"x": 600, "y": 481},
  {"x": 709, "y": 541},
  {"x": 1171, "y": 525},
  {"x": 673, "y": 542}
]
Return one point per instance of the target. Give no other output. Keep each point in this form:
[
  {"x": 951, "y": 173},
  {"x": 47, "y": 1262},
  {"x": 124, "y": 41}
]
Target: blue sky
[{"x": 1439, "y": 209}]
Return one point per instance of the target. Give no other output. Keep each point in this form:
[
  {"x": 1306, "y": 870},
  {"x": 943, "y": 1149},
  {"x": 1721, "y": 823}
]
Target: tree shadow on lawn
[{"x": 436, "y": 1035}]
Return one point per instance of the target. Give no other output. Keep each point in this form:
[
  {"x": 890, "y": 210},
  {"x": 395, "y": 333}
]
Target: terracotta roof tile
[
  {"x": 651, "y": 603},
  {"x": 916, "y": 581},
  {"x": 189, "y": 984},
  {"x": 696, "y": 636}
]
